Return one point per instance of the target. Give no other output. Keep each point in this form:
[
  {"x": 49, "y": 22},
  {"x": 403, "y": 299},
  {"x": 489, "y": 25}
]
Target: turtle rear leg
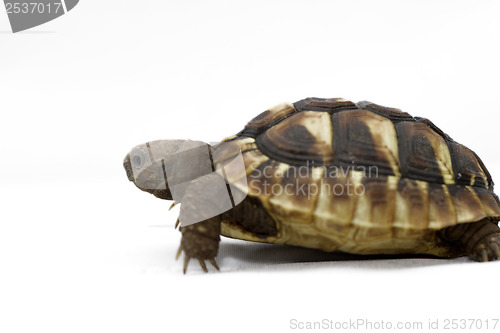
[{"x": 479, "y": 239}]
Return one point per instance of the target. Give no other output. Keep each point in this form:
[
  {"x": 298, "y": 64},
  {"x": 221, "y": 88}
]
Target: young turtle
[{"x": 331, "y": 175}]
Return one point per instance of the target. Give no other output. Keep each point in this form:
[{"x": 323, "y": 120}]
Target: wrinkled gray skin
[{"x": 154, "y": 165}]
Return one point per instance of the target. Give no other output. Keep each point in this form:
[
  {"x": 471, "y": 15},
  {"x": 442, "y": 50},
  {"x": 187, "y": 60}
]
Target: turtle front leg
[
  {"x": 480, "y": 239},
  {"x": 202, "y": 204},
  {"x": 201, "y": 241}
]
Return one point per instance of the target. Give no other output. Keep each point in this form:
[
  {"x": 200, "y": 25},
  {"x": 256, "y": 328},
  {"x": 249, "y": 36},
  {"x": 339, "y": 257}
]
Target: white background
[{"x": 82, "y": 250}]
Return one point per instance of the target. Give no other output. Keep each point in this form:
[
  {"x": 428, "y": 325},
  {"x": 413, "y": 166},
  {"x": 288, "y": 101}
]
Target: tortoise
[{"x": 327, "y": 174}]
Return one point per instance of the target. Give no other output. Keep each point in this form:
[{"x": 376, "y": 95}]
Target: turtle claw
[
  {"x": 186, "y": 262},
  {"x": 203, "y": 266},
  {"x": 179, "y": 251},
  {"x": 488, "y": 248},
  {"x": 177, "y": 223},
  {"x": 175, "y": 203},
  {"x": 484, "y": 255},
  {"x": 496, "y": 249},
  {"x": 212, "y": 261},
  {"x": 201, "y": 262},
  {"x": 188, "y": 258}
]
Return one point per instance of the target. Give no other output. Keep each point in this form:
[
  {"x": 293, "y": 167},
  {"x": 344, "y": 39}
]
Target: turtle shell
[{"x": 362, "y": 178}]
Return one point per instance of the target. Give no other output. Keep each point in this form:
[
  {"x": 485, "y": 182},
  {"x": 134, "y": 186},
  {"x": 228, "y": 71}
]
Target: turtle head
[{"x": 154, "y": 165}]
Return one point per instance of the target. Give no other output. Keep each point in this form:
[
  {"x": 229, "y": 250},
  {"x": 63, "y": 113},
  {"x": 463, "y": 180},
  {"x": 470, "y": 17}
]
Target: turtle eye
[{"x": 138, "y": 159}]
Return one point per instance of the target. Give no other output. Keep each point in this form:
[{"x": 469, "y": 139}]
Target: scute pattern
[
  {"x": 295, "y": 208},
  {"x": 335, "y": 207},
  {"x": 267, "y": 119},
  {"x": 303, "y": 137},
  {"x": 375, "y": 210},
  {"x": 423, "y": 153},
  {"x": 468, "y": 168},
  {"x": 433, "y": 127},
  {"x": 466, "y": 203},
  {"x": 441, "y": 210},
  {"x": 412, "y": 202},
  {"x": 362, "y": 140}
]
